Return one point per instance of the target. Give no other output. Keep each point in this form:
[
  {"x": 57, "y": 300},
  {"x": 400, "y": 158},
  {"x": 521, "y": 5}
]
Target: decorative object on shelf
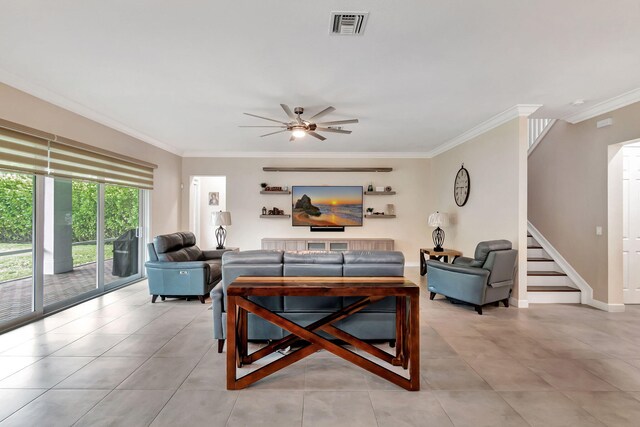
[
  {"x": 391, "y": 209},
  {"x": 214, "y": 198},
  {"x": 461, "y": 186},
  {"x": 285, "y": 188},
  {"x": 369, "y": 211},
  {"x": 220, "y": 219},
  {"x": 276, "y": 211},
  {"x": 437, "y": 220},
  {"x": 380, "y": 189},
  {"x": 264, "y": 210},
  {"x": 263, "y": 185},
  {"x": 273, "y": 189},
  {"x": 388, "y": 189},
  {"x": 300, "y": 127},
  {"x": 370, "y": 187}
]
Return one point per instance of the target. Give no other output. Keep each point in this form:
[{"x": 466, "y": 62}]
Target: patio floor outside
[{"x": 16, "y": 295}]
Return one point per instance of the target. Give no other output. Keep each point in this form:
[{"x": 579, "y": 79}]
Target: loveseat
[
  {"x": 376, "y": 322},
  {"x": 179, "y": 268}
]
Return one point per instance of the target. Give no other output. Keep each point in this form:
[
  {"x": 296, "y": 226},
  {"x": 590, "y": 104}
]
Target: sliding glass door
[
  {"x": 17, "y": 194},
  {"x": 70, "y": 239},
  {"x": 122, "y": 234},
  {"x": 88, "y": 240}
]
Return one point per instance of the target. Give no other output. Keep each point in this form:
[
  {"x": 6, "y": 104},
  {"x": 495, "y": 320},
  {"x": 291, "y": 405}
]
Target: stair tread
[
  {"x": 551, "y": 289},
  {"x": 539, "y": 260},
  {"x": 545, "y": 273}
]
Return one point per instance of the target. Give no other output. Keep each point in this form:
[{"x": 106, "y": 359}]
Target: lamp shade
[
  {"x": 221, "y": 218},
  {"x": 438, "y": 219}
]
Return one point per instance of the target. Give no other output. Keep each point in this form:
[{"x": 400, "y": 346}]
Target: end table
[{"x": 446, "y": 253}]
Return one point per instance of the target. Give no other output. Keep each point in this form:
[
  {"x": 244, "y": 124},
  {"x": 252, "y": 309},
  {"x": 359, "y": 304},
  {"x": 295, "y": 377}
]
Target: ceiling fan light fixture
[{"x": 299, "y": 133}]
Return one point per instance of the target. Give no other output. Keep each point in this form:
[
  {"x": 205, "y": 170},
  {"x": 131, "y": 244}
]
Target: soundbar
[{"x": 326, "y": 229}]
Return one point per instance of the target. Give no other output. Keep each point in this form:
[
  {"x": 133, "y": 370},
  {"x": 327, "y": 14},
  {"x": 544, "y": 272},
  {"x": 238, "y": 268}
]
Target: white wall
[
  {"x": 496, "y": 209},
  {"x": 207, "y": 184},
  {"x": 410, "y": 178}
]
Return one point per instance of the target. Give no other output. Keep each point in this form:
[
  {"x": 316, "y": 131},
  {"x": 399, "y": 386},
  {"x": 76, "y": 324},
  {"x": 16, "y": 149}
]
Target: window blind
[
  {"x": 23, "y": 153},
  {"x": 30, "y": 151}
]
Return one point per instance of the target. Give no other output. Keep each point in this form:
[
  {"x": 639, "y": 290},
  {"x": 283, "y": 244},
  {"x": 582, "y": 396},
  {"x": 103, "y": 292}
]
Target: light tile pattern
[{"x": 120, "y": 360}]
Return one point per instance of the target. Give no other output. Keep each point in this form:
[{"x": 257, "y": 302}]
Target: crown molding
[
  {"x": 519, "y": 110},
  {"x": 77, "y": 108},
  {"x": 605, "y": 107},
  {"x": 308, "y": 155}
]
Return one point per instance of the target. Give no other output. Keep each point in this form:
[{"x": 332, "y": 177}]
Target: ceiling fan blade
[
  {"x": 316, "y": 135},
  {"x": 288, "y": 111},
  {"x": 265, "y": 118},
  {"x": 274, "y": 126},
  {"x": 322, "y": 113},
  {"x": 333, "y": 130},
  {"x": 339, "y": 122},
  {"x": 273, "y": 133}
]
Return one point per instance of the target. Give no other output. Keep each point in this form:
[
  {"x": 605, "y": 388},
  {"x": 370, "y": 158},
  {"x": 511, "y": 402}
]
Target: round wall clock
[{"x": 461, "y": 186}]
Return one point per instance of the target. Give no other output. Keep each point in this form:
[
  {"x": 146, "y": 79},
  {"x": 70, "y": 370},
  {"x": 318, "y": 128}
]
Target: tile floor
[{"x": 119, "y": 360}]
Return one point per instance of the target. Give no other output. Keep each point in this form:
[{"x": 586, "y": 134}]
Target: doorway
[
  {"x": 631, "y": 222},
  {"x": 207, "y": 194}
]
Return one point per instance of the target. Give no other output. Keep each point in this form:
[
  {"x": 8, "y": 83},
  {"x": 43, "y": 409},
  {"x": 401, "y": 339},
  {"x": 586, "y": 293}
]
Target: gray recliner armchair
[
  {"x": 178, "y": 268},
  {"x": 486, "y": 278}
]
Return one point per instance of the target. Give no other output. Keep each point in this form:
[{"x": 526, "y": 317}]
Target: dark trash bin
[{"x": 125, "y": 254}]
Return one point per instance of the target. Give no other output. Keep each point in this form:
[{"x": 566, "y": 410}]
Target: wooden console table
[
  {"x": 446, "y": 253},
  {"x": 371, "y": 289}
]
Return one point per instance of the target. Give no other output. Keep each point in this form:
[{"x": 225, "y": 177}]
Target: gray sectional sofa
[{"x": 376, "y": 322}]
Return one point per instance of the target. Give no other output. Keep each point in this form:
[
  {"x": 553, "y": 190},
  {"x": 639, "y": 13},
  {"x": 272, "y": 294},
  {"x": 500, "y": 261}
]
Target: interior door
[{"x": 631, "y": 223}]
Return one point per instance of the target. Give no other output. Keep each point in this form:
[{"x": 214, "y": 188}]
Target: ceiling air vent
[{"x": 348, "y": 23}]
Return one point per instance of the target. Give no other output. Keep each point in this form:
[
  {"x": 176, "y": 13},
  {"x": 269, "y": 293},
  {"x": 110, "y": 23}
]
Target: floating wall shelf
[
  {"x": 275, "y": 216},
  {"x": 275, "y": 192},
  {"x": 380, "y": 216},
  {"x": 379, "y": 193},
  {"x": 301, "y": 169}
]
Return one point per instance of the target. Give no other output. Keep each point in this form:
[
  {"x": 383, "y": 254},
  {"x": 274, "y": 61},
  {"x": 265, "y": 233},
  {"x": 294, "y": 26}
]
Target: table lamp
[
  {"x": 220, "y": 219},
  {"x": 437, "y": 220}
]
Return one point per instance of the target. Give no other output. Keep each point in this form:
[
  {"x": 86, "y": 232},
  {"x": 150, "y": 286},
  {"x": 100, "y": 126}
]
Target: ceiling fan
[{"x": 300, "y": 127}]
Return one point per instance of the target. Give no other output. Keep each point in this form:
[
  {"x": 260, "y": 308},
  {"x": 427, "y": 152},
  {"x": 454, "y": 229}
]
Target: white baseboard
[
  {"x": 520, "y": 303},
  {"x": 412, "y": 264},
  {"x": 611, "y": 308}
]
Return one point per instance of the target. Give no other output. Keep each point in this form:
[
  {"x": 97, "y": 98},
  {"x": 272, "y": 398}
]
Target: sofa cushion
[
  {"x": 215, "y": 271},
  {"x": 373, "y": 257},
  {"x": 180, "y": 255},
  {"x": 483, "y": 249},
  {"x": 313, "y": 257},
  {"x": 168, "y": 243},
  {"x": 194, "y": 253},
  {"x": 252, "y": 257}
]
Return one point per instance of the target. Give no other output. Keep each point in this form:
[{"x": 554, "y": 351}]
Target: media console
[{"x": 314, "y": 244}]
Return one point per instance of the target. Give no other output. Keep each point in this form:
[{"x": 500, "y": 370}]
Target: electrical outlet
[{"x": 598, "y": 231}]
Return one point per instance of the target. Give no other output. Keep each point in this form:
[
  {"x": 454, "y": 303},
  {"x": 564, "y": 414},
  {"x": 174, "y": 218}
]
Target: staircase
[{"x": 546, "y": 282}]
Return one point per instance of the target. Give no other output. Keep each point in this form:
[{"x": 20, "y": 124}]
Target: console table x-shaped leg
[{"x": 407, "y": 341}]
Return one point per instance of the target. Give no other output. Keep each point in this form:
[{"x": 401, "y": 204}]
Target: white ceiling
[{"x": 183, "y": 72}]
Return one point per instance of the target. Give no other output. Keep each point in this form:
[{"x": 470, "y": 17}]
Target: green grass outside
[{"x": 21, "y": 265}]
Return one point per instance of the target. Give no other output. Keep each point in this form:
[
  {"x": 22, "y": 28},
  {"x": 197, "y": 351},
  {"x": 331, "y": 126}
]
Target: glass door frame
[
  {"x": 141, "y": 231},
  {"x": 37, "y": 253}
]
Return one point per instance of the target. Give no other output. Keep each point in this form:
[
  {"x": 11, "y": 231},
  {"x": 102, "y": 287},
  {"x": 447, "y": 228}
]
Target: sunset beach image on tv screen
[{"x": 326, "y": 206}]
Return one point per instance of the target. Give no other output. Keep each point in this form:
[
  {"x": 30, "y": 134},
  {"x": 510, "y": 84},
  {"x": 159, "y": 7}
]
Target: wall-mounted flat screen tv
[{"x": 327, "y": 206}]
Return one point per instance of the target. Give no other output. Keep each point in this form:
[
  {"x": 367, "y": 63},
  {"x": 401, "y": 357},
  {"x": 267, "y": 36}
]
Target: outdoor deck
[{"x": 16, "y": 295}]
